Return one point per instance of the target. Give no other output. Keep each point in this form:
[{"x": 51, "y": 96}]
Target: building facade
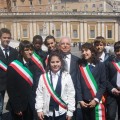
[{"x": 25, "y": 20}]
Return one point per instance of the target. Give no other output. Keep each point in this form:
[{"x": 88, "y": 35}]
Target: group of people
[{"x": 56, "y": 85}]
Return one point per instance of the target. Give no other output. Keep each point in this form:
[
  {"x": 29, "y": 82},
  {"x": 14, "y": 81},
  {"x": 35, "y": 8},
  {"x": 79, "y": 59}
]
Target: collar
[
  {"x": 91, "y": 64},
  {"x": 102, "y": 56},
  {"x": 24, "y": 61},
  {"x": 4, "y": 48},
  {"x": 68, "y": 56},
  {"x": 58, "y": 73}
]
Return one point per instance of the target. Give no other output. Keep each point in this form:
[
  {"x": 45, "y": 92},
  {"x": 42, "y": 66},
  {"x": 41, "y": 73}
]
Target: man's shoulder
[{"x": 74, "y": 57}]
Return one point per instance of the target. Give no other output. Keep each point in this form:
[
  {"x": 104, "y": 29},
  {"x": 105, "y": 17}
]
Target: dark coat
[
  {"x": 13, "y": 54},
  {"x": 83, "y": 92},
  {"x": 20, "y": 93}
]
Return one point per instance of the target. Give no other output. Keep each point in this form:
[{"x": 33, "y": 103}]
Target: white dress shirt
[
  {"x": 8, "y": 52},
  {"x": 102, "y": 57}
]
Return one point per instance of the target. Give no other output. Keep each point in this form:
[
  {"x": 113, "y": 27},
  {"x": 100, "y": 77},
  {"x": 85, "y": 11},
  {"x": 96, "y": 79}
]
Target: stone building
[{"x": 26, "y": 18}]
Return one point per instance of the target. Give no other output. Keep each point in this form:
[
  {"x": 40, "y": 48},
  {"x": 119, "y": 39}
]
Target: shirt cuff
[
  {"x": 113, "y": 90},
  {"x": 69, "y": 113},
  {"x": 96, "y": 99}
]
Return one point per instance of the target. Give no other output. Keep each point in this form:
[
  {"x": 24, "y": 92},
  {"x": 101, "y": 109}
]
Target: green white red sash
[
  {"x": 93, "y": 87},
  {"x": 3, "y": 66},
  {"x": 38, "y": 61},
  {"x": 52, "y": 92},
  {"x": 23, "y": 71},
  {"x": 116, "y": 65}
]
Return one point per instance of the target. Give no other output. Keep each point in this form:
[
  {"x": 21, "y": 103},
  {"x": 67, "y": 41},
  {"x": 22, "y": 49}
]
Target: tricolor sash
[
  {"x": 38, "y": 61},
  {"x": 3, "y": 66},
  {"x": 23, "y": 71},
  {"x": 52, "y": 91},
  {"x": 116, "y": 65},
  {"x": 93, "y": 87}
]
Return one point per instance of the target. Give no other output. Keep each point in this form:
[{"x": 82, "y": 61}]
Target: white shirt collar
[
  {"x": 91, "y": 64},
  {"x": 102, "y": 57},
  {"x": 3, "y": 47},
  {"x": 58, "y": 73},
  {"x": 24, "y": 61}
]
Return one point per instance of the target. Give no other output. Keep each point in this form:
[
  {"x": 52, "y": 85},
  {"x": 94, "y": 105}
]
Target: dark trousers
[
  {"x": 2, "y": 93},
  {"x": 112, "y": 104},
  {"x": 78, "y": 114},
  {"x": 61, "y": 117},
  {"x": 88, "y": 113},
  {"x": 27, "y": 115}
]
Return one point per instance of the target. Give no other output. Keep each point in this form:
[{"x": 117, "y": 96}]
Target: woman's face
[
  {"x": 55, "y": 64},
  {"x": 87, "y": 54}
]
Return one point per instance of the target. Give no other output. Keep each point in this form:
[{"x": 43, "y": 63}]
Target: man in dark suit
[
  {"x": 20, "y": 84},
  {"x": 70, "y": 62},
  {"x": 113, "y": 86},
  {"x": 7, "y": 54}
]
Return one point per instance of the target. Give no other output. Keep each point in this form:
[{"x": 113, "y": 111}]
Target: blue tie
[{"x": 91, "y": 67}]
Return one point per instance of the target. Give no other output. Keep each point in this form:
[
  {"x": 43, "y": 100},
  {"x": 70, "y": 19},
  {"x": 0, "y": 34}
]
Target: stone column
[
  {"x": 15, "y": 31},
  {"x": 116, "y": 32},
  {"x": 31, "y": 31},
  {"x": 81, "y": 32},
  {"x": 64, "y": 30},
  {"x": 103, "y": 30},
  {"x": 85, "y": 32},
  {"x": 68, "y": 30},
  {"x": 99, "y": 29}
]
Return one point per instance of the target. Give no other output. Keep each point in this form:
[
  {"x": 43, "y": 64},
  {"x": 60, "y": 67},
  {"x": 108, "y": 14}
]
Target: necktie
[
  {"x": 6, "y": 53},
  {"x": 65, "y": 62},
  {"x": 91, "y": 67}
]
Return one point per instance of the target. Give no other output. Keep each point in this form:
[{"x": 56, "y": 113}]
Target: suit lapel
[{"x": 2, "y": 54}]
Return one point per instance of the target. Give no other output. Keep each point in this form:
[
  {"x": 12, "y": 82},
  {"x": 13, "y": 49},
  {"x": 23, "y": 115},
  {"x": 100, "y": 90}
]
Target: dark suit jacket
[
  {"x": 111, "y": 72},
  {"x": 74, "y": 69},
  {"x": 12, "y": 56},
  {"x": 20, "y": 93},
  {"x": 83, "y": 92}
]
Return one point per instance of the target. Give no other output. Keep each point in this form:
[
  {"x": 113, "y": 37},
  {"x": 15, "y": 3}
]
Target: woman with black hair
[
  {"x": 55, "y": 95},
  {"x": 91, "y": 84}
]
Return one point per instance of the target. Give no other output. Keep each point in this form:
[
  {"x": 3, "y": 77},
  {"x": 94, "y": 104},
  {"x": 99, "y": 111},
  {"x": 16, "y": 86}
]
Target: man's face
[
  {"x": 27, "y": 53},
  {"x": 37, "y": 44},
  {"x": 65, "y": 45},
  {"x": 51, "y": 44},
  {"x": 100, "y": 47},
  {"x": 5, "y": 39}
]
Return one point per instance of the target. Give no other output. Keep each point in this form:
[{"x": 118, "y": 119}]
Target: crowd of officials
[{"x": 56, "y": 85}]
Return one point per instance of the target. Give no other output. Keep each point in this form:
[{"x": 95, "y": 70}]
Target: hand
[
  {"x": 41, "y": 115},
  {"x": 115, "y": 91},
  {"x": 68, "y": 117},
  {"x": 83, "y": 104},
  {"x": 19, "y": 113},
  {"x": 92, "y": 103}
]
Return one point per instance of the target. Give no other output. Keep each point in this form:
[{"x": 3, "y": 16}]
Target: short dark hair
[
  {"x": 25, "y": 44},
  {"x": 37, "y": 37},
  {"x": 117, "y": 46},
  {"x": 99, "y": 39},
  {"x": 47, "y": 38},
  {"x": 4, "y": 30}
]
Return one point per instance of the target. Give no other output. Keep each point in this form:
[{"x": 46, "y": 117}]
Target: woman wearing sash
[
  {"x": 55, "y": 95},
  {"x": 113, "y": 86},
  {"x": 91, "y": 84},
  {"x": 21, "y": 74}
]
